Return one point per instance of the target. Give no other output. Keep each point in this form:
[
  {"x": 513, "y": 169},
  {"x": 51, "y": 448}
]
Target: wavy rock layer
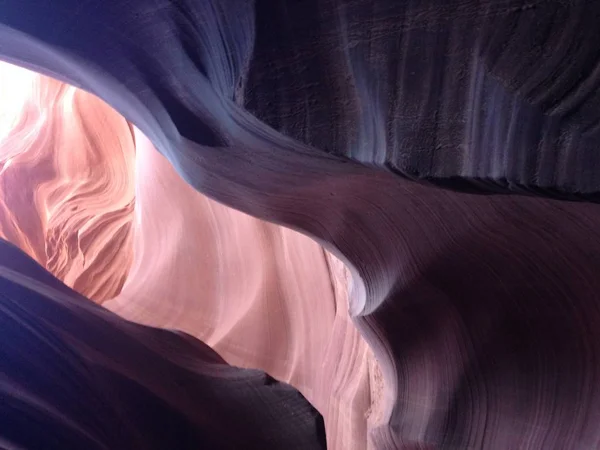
[
  {"x": 67, "y": 181},
  {"x": 481, "y": 310}
]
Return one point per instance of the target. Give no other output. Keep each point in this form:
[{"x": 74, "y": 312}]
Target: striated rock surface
[
  {"x": 66, "y": 181},
  {"x": 391, "y": 133}
]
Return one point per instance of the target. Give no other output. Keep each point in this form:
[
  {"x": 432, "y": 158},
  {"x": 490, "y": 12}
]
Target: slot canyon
[{"x": 342, "y": 224}]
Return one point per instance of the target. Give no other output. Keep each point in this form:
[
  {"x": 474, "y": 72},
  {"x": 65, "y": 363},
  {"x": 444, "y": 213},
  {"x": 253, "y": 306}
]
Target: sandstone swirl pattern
[
  {"x": 391, "y": 133},
  {"x": 67, "y": 181}
]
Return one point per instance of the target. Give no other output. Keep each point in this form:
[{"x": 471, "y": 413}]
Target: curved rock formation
[
  {"x": 67, "y": 181},
  {"x": 73, "y": 375},
  {"x": 343, "y": 120},
  {"x": 262, "y": 295}
]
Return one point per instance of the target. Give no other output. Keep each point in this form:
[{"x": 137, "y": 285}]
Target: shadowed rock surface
[{"x": 74, "y": 375}]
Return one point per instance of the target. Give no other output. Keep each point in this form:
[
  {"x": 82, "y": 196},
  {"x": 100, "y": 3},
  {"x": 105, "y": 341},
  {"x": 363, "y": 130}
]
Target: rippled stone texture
[
  {"x": 67, "y": 181},
  {"x": 342, "y": 119}
]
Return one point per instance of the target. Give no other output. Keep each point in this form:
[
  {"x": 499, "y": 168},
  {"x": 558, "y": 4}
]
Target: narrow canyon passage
[{"x": 89, "y": 198}]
